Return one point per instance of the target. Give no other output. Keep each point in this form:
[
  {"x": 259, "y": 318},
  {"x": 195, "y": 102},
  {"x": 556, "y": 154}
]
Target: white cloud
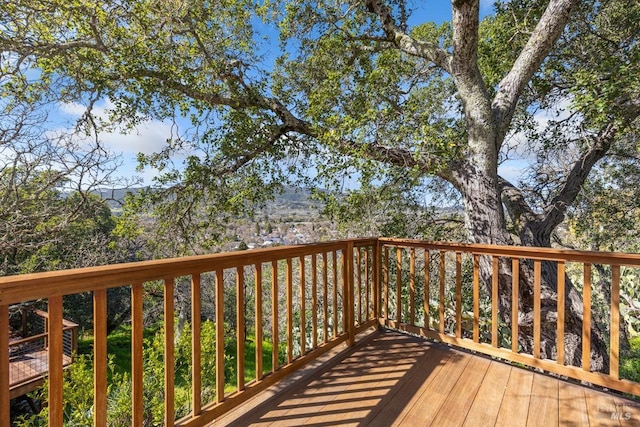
[{"x": 147, "y": 137}]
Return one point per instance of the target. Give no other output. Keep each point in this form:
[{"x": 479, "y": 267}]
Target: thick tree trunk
[{"x": 486, "y": 224}]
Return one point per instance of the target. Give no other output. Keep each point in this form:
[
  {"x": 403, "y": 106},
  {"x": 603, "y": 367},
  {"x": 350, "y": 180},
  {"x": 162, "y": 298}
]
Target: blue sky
[{"x": 150, "y": 137}]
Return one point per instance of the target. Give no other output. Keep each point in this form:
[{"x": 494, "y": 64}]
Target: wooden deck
[
  {"x": 395, "y": 379},
  {"x": 27, "y": 372}
]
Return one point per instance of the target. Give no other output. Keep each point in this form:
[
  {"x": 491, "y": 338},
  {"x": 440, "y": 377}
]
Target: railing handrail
[
  {"x": 528, "y": 252},
  {"x": 17, "y": 288}
]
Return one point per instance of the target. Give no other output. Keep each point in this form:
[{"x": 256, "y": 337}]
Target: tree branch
[
  {"x": 544, "y": 36},
  {"x": 407, "y": 44}
]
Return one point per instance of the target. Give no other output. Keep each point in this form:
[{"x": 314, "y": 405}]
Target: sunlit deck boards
[
  {"x": 395, "y": 379},
  {"x": 26, "y": 372}
]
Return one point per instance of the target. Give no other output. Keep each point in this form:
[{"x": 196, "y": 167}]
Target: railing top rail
[
  {"x": 524, "y": 252},
  {"x": 14, "y": 289}
]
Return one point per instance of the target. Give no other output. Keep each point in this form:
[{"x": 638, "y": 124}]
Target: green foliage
[{"x": 630, "y": 362}]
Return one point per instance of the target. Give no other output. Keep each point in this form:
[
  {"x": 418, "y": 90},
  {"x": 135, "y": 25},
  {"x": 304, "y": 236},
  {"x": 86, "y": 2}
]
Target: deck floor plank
[
  {"x": 396, "y": 379},
  {"x": 484, "y": 412},
  {"x": 543, "y": 406},
  {"x": 454, "y": 410},
  {"x": 514, "y": 410},
  {"x": 572, "y": 409}
]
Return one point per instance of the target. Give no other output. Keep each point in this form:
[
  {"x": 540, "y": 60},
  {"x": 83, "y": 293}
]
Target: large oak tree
[{"x": 359, "y": 85}]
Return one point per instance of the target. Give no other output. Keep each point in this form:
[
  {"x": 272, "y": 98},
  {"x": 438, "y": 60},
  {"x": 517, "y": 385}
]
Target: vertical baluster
[
  {"x": 537, "y": 271},
  {"x": 289, "y": 310},
  {"x": 385, "y": 266},
  {"x": 325, "y": 298},
  {"x": 303, "y": 309},
  {"x": 240, "y": 331},
  {"x": 314, "y": 300},
  {"x": 494, "y": 302},
  {"x": 335, "y": 293},
  {"x": 614, "y": 354},
  {"x": 258, "y": 284},
  {"x": 399, "y": 284},
  {"x": 476, "y": 298},
  {"x": 99, "y": 357},
  {"x": 427, "y": 314},
  {"x": 274, "y": 316},
  {"x": 5, "y": 396},
  {"x": 136, "y": 354},
  {"x": 586, "y": 320},
  {"x": 561, "y": 317},
  {"x": 376, "y": 284},
  {"x": 515, "y": 296},
  {"x": 56, "y": 380},
  {"x": 219, "y": 336},
  {"x": 196, "y": 346},
  {"x": 169, "y": 355},
  {"x": 367, "y": 282},
  {"x": 348, "y": 291},
  {"x": 442, "y": 278},
  {"x": 412, "y": 286},
  {"x": 359, "y": 284},
  {"x": 458, "y": 294}
]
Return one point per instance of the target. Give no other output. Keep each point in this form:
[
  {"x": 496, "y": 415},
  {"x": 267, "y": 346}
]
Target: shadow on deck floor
[{"x": 395, "y": 379}]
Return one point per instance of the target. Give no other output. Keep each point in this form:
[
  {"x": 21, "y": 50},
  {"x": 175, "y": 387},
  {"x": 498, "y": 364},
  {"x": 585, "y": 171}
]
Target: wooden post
[
  {"x": 56, "y": 349},
  {"x": 537, "y": 291},
  {"x": 458, "y": 294},
  {"x": 289, "y": 292},
  {"x": 348, "y": 291},
  {"x": 614, "y": 356},
  {"x": 5, "y": 395},
  {"x": 586, "y": 319},
  {"x": 196, "y": 346},
  {"x": 399, "y": 284},
  {"x": 427, "y": 293},
  {"x": 169, "y": 354},
  {"x": 303, "y": 309},
  {"x": 377, "y": 273},
  {"x": 561, "y": 314},
  {"x": 476, "y": 298},
  {"x": 494, "y": 302},
  {"x": 275, "y": 363},
  {"x": 442, "y": 280},
  {"x": 240, "y": 332},
  {"x": 515, "y": 297},
  {"x": 258, "y": 283},
  {"x": 136, "y": 354},
  {"x": 219, "y": 336},
  {"x": 100, "y": 357}
]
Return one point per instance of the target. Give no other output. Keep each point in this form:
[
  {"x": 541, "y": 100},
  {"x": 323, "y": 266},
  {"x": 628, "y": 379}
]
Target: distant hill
[{"x": 291, "y": 199}]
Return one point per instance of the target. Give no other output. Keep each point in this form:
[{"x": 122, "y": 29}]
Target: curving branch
[
  {"x": 544, "y": 36},
  {"x": 407, "y": 44}
]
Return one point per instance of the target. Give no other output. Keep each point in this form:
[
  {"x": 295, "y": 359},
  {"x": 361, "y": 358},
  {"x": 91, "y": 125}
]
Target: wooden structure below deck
[
  {"x": 396, "y": 379},
  {"x": 27, "y": 372}
]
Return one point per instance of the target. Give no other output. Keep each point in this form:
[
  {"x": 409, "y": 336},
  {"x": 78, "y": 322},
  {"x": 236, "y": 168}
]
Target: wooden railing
[
  {"x": 312, "y": 298},
  {"x": 453, "y": 312},
  {"x": 305, "y": 301}
]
